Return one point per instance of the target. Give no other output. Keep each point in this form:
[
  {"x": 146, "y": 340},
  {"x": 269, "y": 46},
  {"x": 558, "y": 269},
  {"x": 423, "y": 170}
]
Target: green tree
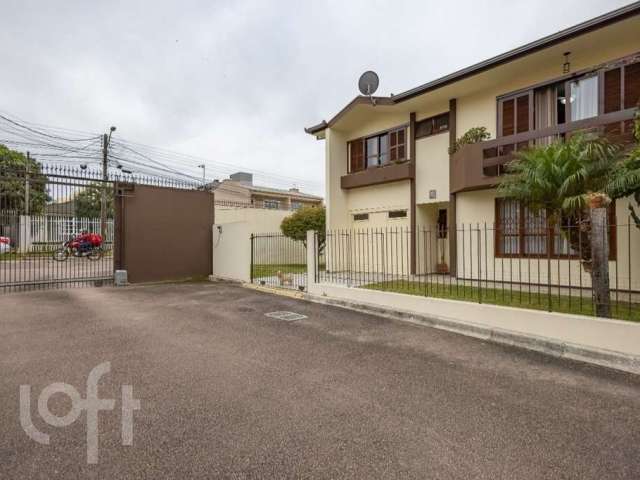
[
  {"x": 88, "y": 200},
  {"x": 14, "y": 167},
  {"x": 625, "y": 179},
  {"x": 564, "y": 179},
  {"x": 295, "y": 226}
]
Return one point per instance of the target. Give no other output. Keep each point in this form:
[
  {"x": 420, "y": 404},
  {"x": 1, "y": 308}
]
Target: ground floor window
[
  {"x": 397, "y": 214},
  {"x": 521, "y": 231}
]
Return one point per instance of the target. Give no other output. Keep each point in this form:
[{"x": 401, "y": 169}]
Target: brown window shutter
[
  {"x": 612, "y": 91},
  {"x": 401, "y": 137},
  {"x": 522, "y": 114},
  {"x": 356, "y": 162},
  {"x": 508, "y": 119},
  {"x": 393, "y": 144},
  {"x": 632, "y": 85}
]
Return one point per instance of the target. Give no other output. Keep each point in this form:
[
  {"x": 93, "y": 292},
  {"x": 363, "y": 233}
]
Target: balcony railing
[
  {"x": 391, "y": 172},
  {"x": 479, "y": 165}
]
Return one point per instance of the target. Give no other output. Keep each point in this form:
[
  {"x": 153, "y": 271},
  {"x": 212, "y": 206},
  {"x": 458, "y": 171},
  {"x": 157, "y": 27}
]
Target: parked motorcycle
[{"x": 87, "y": 245}]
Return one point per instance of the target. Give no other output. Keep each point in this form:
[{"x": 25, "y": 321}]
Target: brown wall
[{"x": 163, "y": 233}]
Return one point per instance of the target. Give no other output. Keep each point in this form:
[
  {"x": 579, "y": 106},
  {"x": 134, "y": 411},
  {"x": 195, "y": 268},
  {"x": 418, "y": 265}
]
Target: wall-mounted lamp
[{"x": 566, "y": 66}]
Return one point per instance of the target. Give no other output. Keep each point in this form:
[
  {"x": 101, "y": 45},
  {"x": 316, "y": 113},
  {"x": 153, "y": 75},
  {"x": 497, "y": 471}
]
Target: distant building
[{"x": 239, "y": 190}]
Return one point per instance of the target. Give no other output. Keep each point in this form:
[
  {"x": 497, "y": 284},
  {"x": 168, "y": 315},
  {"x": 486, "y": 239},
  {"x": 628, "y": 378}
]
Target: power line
[{"x": 46, "y": 143}]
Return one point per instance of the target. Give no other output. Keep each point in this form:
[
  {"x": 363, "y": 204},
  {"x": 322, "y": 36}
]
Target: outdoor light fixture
[{"x": 566, "y": 66}]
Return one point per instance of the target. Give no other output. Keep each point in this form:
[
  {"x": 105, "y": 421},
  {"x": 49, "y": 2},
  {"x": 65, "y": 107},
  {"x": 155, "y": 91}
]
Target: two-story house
[
  {"x": 239, "y": 191},
  {"x": 388, "y": 160}
]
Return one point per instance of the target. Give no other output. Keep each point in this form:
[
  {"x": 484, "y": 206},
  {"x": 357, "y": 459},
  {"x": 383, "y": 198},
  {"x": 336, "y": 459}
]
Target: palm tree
[
  {"x": 625, "y": 179},
  {"x": 564, "y": 179}
]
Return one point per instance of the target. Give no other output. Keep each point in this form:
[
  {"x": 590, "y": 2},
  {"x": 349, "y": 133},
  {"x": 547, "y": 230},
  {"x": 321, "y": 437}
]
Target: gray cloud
[{"x": 236, "y": 82}]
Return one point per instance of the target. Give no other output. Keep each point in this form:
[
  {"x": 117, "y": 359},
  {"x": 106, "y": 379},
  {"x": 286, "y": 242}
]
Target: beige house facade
[{"x": 388, "y": 160}]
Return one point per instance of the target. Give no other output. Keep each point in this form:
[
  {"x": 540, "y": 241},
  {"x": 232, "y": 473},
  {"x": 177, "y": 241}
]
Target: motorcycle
[{"x": 87, "y": 245}]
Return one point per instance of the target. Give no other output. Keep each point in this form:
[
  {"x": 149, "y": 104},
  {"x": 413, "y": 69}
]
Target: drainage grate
[{"x": 285, "y": 316}]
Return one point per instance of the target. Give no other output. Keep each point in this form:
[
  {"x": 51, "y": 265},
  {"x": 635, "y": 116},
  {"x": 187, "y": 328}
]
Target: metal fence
[
  {"x": 46, "y": 205},
  {"x": 278, "y": 261},
  {"x": 529, "y": 266}
]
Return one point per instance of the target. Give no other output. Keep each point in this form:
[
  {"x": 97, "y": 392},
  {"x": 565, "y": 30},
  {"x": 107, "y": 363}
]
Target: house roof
[
  {"x": 290, "y": 193},
  {"x": 238, "y": 187},
  {"x": 527, "y": 49}
]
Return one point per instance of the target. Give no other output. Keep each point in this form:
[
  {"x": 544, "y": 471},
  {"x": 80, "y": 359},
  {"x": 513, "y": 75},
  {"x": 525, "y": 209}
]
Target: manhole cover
[{"x": 286, "y": 316}]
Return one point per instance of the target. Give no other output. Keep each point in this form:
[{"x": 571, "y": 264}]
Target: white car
[{"x": 5, "y": 244}]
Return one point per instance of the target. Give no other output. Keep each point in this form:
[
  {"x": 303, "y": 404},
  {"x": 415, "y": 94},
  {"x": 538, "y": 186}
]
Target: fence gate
[
  {"x": 39, "y": 212},
  {"x": 278, "y": 261}
]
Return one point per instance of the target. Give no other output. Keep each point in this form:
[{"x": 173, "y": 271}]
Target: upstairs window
[
  {"x": 432, "y": 125},
  {"x": 377, "y": 150},
  {"x": 296, "y": 205},
  {"x": 583, "y": 98}
]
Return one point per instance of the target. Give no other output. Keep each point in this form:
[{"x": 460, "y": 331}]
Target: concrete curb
[{"x": 549, "y": 346}]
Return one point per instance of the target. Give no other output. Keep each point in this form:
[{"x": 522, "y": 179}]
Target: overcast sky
[{"x": 236, "y": 81}]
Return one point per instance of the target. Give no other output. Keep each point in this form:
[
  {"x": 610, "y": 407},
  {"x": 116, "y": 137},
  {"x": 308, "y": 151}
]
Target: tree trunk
[{"x": 600, "y": 261}]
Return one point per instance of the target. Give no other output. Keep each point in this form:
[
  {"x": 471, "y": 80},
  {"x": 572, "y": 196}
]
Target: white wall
[
  {"x": 260, "y": 220},
  {"x": 232, "y": 251},
  {"x": 432, "y": 168}
]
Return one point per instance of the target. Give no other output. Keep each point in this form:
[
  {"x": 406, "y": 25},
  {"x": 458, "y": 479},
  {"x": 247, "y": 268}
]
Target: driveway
[{"x": 227, "y": 392}]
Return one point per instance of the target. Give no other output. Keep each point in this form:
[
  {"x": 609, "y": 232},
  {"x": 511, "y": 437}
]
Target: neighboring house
[
  {"x": 239, "y": 190},
  {"x": 388, "y": 165},
  {"x": 64, "y": 207},
  {"x": 263, "y": 208}
]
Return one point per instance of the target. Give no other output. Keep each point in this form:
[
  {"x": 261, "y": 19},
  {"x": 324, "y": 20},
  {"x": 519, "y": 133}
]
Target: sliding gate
[{"x": 39, "y": 211}]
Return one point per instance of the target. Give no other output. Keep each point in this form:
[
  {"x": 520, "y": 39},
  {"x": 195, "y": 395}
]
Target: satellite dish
[{"x": 368, "y": 83}]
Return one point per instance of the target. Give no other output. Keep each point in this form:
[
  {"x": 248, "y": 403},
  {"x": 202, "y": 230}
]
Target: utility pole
[
  {"x": 27, "y": 193},
  {"x": 103, "y": 191},
  {"x": 106, "y": 139},
  {"x": 204, "y": 180}
]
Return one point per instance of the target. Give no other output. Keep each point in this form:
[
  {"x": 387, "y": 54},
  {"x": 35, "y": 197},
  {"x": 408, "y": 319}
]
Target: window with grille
[
  {"x": 521, "y": 231},
  {"x": 397, "y": 214}
]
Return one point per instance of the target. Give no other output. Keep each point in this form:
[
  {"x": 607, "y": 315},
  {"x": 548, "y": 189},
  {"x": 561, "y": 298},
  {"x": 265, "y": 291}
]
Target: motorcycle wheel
[
  {"x": 95, "y": 254},
  {"x": 60, "y": 255}
]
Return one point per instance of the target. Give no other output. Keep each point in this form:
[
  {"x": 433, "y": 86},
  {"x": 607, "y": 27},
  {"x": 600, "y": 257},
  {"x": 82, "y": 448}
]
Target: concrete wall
[
  {"x": 432, "y": 168},
  {"x": 335, "y": 167},
  {"x": 261, "y": 220},
  {"x": 231, "y": 251},
  {"x": 489, "y": 321}
]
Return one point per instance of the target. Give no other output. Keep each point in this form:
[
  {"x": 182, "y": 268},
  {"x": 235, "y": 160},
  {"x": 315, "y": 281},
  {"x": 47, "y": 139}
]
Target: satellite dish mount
[{"x": 368, "y": 84}]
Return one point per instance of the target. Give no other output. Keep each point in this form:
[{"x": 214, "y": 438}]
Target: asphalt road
[{"x": 229, "y": 393}]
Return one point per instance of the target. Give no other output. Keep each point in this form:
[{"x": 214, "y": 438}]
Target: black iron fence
[
  {"x": 43, "y": 208},
  {"x": 278, "y": 261},
  {"x": 523, "y": 264}
]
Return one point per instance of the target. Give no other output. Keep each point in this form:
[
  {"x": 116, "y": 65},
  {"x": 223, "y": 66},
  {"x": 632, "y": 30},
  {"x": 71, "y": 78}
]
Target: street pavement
[{"x": 227, "y": 392}]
